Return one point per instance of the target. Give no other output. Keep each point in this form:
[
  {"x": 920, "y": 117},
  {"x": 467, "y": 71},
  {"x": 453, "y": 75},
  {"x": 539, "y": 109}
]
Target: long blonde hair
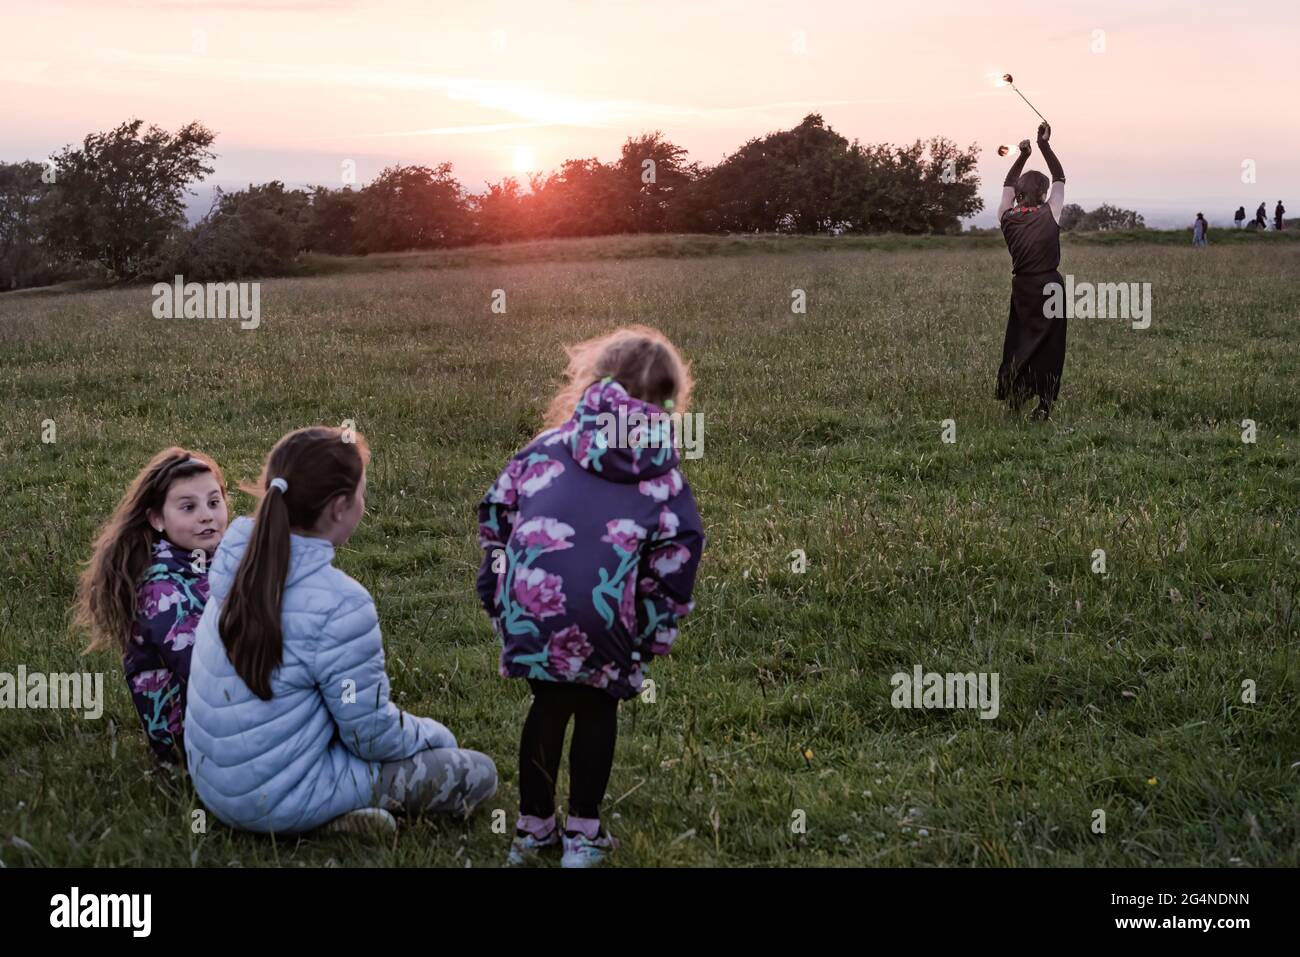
[
  {"x": 639, "y": 358},
  {"x": 106, "y": 593}
]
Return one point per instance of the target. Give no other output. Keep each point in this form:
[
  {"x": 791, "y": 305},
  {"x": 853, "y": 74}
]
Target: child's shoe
[
  {"x": 368, "y": 821},
  {"x": 583, "y": 851},
  {"x": 527, "y": 847}
]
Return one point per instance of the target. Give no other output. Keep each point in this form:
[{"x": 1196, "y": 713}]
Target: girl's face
[{"x": 193, "y": 514}]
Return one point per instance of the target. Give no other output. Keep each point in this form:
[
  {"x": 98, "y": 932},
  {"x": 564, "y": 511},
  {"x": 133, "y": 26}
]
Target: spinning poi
[{"x": 1010, "y": 81}]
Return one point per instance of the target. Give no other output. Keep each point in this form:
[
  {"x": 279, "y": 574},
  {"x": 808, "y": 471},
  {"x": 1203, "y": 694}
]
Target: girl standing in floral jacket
[
  {"x": 591, "y": 543},
  {"x": 147, "y": 583}
]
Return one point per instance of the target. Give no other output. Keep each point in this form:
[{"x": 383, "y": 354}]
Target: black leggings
[{"x": 591, "y": 752}]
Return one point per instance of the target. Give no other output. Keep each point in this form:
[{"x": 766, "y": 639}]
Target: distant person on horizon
[
  {"x": 1277, "y": 215},
  {"x": 1200, "y": 231},
  {"x": 1261, "y": 217},
  {"x": 1240, "y": 219},
  {"x": 1033, "y": 351}
]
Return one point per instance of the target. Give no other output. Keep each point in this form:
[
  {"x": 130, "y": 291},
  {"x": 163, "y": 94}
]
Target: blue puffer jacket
[{"x": 311, "y": 753}]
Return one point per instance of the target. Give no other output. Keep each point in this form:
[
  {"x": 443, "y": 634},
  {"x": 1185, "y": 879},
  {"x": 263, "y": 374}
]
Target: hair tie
[{"x": 279, "y": 483}]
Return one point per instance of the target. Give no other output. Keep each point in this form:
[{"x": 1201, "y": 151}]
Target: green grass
[
  {"x": 735, "y": 244},
  {"x": 822, "y": 432}
]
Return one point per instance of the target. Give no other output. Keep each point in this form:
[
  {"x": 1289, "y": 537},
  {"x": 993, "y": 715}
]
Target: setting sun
[{"x": 525, "y": 159}]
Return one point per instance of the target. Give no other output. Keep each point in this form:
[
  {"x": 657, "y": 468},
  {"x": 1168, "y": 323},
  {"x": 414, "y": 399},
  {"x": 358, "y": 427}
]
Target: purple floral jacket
[
  {"x": 591, "y": 544},
  {"x": 169, "y": 601}
]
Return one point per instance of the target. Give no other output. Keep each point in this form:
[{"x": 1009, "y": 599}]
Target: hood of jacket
[{"x": 618, "y": 437}]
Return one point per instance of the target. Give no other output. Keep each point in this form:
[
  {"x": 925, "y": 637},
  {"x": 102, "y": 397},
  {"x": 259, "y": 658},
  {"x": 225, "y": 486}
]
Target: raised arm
[
  {"x": 1056, "y": 198},
  {"x": 1009, "y": 184}
]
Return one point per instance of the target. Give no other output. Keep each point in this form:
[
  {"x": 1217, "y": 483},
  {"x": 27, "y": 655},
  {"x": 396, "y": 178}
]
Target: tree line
[{"x": 114, "y": 205}]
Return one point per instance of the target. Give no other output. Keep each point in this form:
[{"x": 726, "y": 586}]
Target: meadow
[{"x": 1164, "y": 691}]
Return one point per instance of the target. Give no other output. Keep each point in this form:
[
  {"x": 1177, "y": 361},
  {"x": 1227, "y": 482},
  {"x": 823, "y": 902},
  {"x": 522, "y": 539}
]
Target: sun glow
[{"x": 525, "y": 160}]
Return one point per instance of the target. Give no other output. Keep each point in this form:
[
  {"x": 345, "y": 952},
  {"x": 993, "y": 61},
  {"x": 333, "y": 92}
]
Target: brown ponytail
[{"x": 318, "y": 464}]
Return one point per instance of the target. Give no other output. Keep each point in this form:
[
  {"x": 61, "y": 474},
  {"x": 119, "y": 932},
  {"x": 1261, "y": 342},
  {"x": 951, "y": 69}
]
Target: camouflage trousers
[{"x": 438, "y": 781}]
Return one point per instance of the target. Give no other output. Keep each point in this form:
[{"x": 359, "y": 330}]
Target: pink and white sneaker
[
  {"x": 583, "y": 851},
  {"x": 527, "y": 847}
]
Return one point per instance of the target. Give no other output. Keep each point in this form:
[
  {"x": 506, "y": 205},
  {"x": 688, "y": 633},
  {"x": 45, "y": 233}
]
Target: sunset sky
[{"x": 1157, "y": 113}]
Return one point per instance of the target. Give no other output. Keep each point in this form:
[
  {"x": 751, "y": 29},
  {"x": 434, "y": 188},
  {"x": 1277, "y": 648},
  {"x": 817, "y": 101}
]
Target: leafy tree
[
  {"x": 584, "y": 198},
  {"x": 251, "y": 232},
  {"x": 499, "y": 213},
  {"x": 118, "y": 197},
  {"x": 653, "y": 173},
  {"x": 792, "y": 181},
  {"x": 926, "y": 187},
  {"x": 811, "y": 179},
  {"x": 24, "y": 259},
  {"x": 1071, "y": 215},
  {"x": 334, "y": 220},
  {"x": 412, "y": 207},
  {"x": 1106, "y": 217}
]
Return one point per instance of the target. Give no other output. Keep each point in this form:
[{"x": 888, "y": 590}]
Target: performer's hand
[
  {"x": 1025, "y": 148},
  {"x": 1044, "y": 133}
]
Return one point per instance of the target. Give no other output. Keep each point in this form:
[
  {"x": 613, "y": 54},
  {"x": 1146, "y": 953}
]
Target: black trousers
[
  {"x": 1033, "y": 350},
  {"x": 591, "y": 752}
]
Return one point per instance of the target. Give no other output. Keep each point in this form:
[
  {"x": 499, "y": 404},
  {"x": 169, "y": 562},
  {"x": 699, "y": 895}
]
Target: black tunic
[{"x": 1033, "y": 353}]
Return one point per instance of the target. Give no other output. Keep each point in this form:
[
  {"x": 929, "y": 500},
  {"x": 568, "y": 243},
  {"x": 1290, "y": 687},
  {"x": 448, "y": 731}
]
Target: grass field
[{"x": 1120, "y": 692}]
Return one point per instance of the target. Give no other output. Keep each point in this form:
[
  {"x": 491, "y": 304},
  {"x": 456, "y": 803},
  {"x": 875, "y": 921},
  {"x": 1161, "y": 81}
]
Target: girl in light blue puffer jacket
[{"x": 288, "y": 721}]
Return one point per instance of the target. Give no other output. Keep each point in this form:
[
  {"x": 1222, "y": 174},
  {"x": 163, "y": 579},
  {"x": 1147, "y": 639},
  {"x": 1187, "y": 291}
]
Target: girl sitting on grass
[
  {"x": 591, "y": 545},
  {"x": 290, "y": 725},
  {"x": 147, "y": 584}
]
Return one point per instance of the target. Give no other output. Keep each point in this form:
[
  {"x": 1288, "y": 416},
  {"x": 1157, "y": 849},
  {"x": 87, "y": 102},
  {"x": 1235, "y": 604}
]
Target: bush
[{"x": 258, "y": 231}]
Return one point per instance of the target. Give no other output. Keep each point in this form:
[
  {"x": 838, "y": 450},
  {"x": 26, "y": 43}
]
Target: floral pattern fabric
[
  {"x": 169, "y": 603},
  {"x": 590, "y": 549}
]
